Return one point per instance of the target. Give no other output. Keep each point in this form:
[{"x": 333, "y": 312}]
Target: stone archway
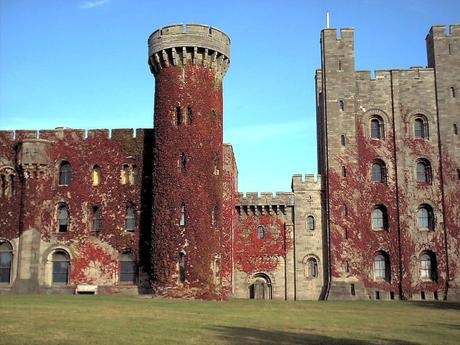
[{"x": 261, "y": 287}]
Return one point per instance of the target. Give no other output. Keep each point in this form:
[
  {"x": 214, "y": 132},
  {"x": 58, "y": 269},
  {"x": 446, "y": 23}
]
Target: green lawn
[{"x": 39, "y": 319}]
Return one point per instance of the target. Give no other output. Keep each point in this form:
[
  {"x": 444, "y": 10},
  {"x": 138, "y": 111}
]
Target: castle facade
[{"x": 158, "y": 211}]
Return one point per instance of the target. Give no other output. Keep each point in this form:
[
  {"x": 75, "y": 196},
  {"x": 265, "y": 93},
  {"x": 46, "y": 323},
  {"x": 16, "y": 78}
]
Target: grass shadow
[
  {"x": 253, "y": 336},
  {"x": 437, "y": 304}
]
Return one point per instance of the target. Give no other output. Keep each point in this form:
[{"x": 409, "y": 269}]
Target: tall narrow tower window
[
  {"x": 452, "y": 92},
  {"x": 344, "y": 171},
  {"x": 423, "y": 171},
  {"x": 130, "y": 219},
  {"x": 341, "y": 105},
  {"x": 182, "y": 215},
  {"x": 342, "y": 140},
  {"x": 181, "y": 265},
  {"x": 377, "y": 128},
  {"x": 183, "y": 163},
  {"x": 189, "y": 115},
  {"x": 96, "y": 175},
  {"x": 96, "y": 219},
  {"x": 179, "y": 119},
  {"x": 455, "y": 129},
  {"x": 340, "y": 65},
  {"x": 421, "y": 128},
  {"x": 12, "y": 190},
  {"x": 3, "y": 187},
  {"x": 63, "y": 218}
]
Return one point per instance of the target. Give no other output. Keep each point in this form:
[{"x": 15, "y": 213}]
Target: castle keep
[{"x": 158, "y": 210}]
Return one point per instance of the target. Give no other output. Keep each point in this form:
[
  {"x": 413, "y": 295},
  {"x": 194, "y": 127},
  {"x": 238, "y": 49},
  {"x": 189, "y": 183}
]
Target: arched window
[
  {"x": 124, "y": 178},
  {"x": 189, "y": 115},
  {"x": 379, "y": 218},
  {"x": 130, "y": 218},
  {"x": 310, "y": 223},
  {"x": 382, "y": 267},
  {"x": 128, "y": 268},
  {"x": 423, "y": 171},
  {"x": 428, "y": 266},
  {"x": 312, "y": 268},
  {"x": 421, "y": 127},
  {"x": 63, "y": 218},
  {"x": 261, "y": 232},
  {"x": 6, "y": 260},
  {"x": 65, "y": 173},
  {"x": 377, "y": 127},
  {"x": 96, "y": 175},
  {"x": 183, "y": 215},
  {"x": 181, "y": 264},
  {"x": 425, "y": 217},
  {"x": 183, "y": 163},
  {"x": 61, "y": 266},
  {"x": 379, "y": 171},
  {"x": 96, "y": 219}
]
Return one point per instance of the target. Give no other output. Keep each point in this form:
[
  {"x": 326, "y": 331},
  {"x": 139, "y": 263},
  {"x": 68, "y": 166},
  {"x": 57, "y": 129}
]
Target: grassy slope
[{"x": 51, "y": 320}]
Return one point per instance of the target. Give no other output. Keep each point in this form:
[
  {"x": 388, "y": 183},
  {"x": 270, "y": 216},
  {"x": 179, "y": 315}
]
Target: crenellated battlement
[
  {"x": 414, "y": 72},
  {"x": 306, "y": 182},
  {"x": 181, "y": 44},
  {"x": 439, "y": 31},
  {"x": 345, "y": 34},
  {"x": 265, "y": 198},
  {"x": 74, "y": 134}
]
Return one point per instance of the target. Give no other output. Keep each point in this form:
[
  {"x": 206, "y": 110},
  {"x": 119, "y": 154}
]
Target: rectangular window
[
  {"x": 127, "y": 272},
  {"x": 342, "y": 139},
  {"x": 352, "y": 290},
  {"x": 60, "y": 272}
]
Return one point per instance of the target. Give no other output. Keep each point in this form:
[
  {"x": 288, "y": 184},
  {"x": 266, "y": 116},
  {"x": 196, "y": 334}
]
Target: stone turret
[{"x": 189, "y": 63}]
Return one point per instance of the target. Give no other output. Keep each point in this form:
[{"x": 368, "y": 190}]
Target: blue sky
[{"x": 83, "y": 64}]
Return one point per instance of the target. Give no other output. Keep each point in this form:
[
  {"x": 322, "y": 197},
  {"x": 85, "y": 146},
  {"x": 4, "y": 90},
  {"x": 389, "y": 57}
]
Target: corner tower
[{"x": 189, "y": 63}]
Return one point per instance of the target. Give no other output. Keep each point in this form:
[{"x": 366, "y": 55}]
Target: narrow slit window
[
  {"x": 130, "y": 219},
  {"x": 65, "y": 174},
  {"x": 181, "y": 265},
  {"x": 452, "y": 92},
  {"x": 342, "y": 140},
  {"x": 183, "y": 163},
  {"x": 183, "y": 215},
  {"x": 63, "y": 218},
  {"x": 178, "y": 116},
  {"x": 4, "y": 186},
  {"x": 124, "y": 178},
  {"x": 455, "y": 129},
  {"x": 341, "y": 105},
  {"x": 96, "y": 219},
  {"x": 344, "y": 171},
  {"x": 189, "y": 115},
  {"x": 96, "y": 175},
  {"x": 340, "y": 65},
  {"x": 261, "y": 232}
]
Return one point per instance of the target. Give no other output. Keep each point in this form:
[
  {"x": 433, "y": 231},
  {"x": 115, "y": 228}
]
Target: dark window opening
[
  {"x": 181, "y": 267},
  {"x": 377, "y": 295},
  {"x": 261, "y": 232},
  {"x": 422, "y": 295},
  {"x": 392, "y": 295},
  {"x": 96, "y": 219},
  {"x": 128, "y": 268},
  {"x": 341, "y": 105},
  {"x": 4, "y": 186},
  {"x": 345, "y": 233},
  {"x": 310, "y": 223},
  {"x": 130, "y": 219},
  {"x": 312, "y": 268},
  {"x": 342, "y": 140},
  {"x": 377, "y": 128},
  {"x": 352, "y": 290},
  {"x": 61, "y": 265},
  {"x": 340, "y": 65},
  {"x": 6, "y": 260},
  {"x": 458, "y": 174},
  {"x": 63, "y": 218},
  {"x": 379, "y": 218},
  {"x": 214, "y": 216},
  {"x": 179, "y": 119},
  {"x": 423, "y": 171},
  {"x": 435, "y": 295},
  {"x": 12, "y": 189},
  {"x": 379, "y": 171},
  {"x": 347, "y": 267},
  {"x": 455, "y": 129},
  {"x": 65, "y": 174},
  {"x": 344, "y": 171},
  {"x": 426, "y": 217},
  {"x": 452, "y": 92},
  {"x": 421, "y": 128},
  {"x": 183, "y": 163},
  {"x": 189, "y": 115}
]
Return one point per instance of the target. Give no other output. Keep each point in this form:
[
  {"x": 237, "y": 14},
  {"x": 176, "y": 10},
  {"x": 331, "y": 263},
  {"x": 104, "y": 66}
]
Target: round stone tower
[{"x": 189, "y": 63}]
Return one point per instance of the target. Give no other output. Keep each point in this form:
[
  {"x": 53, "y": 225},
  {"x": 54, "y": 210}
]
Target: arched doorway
[{"x": 261, "y": 287}]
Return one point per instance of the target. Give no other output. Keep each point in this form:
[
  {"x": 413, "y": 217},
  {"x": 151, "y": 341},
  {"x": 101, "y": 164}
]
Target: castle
[{"x": 158, "y": 211}]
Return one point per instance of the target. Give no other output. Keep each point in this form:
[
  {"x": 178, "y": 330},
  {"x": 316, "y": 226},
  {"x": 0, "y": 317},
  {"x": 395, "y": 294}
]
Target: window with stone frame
[
  {"x": 377, "y": 127},
  {"x": 6, "y": 261},
  {"x": 183, "y": 215},
  {"x": 96, "y": 219},
  {"x": 425, "y": 217},
  {"x": 428, "y": 266},
  {"x": 382, "y": 267},
  {"x": 61, "y": 267},
  {"x": 423, "y": 171},
  {"x": 128, "y": 268},
  {"x": 261, "y": 232},
  {"x": 379, "y": 218},
  {"x": 65, "y": 173},
  {"x": 379, "y": 171},
  {"x": 421, "y": 127},
  {"x": 312, "y": 268},
  {"x": 96, "y": 175},
  {"x": 310, "y": 223},
  {"x": 130, "y": 218},
  {"x": 63, "y": 218}
]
